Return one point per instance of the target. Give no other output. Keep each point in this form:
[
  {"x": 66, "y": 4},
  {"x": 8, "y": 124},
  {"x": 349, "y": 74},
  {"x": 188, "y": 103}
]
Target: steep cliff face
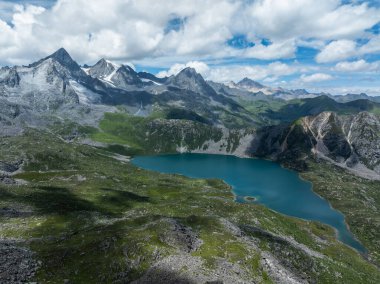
[{"x": 351, "y": 141}]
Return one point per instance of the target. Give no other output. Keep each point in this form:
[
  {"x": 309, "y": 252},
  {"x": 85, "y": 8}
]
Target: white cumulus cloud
[
  {"x": 357, "y": 66},
  {"x": 326, "y": 19},
  {"x": 268, "y": 73},
  {"x": 276, "y": 50},
  {"x": 343, "y": 49},
  {"x": 337, "y": 50},
  {"x": 140, "y": 30},
  {"x": 317, "y": 77}
]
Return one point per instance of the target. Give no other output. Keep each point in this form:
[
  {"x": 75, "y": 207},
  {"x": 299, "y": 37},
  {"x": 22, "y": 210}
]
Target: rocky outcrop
[
  {"x": 350, "y": 141},
  {"x": 7, "y": 180},
  {"x": 181, "y": 237},
  {"x": 17, "y": 263},
  {"x": 8, "y": 168}
]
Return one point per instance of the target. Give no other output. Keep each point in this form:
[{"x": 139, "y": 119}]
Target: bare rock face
[
  {"x": 9, "y": 168},
  {"x": 17, "y": 264},
  {"x": 364, "y": 137},
  {"x": 190, "y": 80},
  {"x": 114, "y": 75},
  {"x": 7, "y": 180},
  {"x": 181, "y": 237},
  {"x": 351, "y": 141},
  {"x": 102, "y": 69},
  {"x": 126, "y": 76}
]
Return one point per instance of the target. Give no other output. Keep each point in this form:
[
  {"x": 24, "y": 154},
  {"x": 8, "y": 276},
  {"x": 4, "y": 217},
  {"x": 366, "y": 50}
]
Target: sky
[{"x": 323, "y": 46}]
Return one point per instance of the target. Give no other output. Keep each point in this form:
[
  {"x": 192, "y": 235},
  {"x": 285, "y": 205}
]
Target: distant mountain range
[
  {"x": 56, "y": 88},
  {"x": 254, "y": 87},
  {"x": 107, "y": 82}
]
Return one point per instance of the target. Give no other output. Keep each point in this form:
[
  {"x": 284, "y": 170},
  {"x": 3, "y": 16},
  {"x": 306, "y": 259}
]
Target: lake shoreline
[{"x": 169, "y": 163}]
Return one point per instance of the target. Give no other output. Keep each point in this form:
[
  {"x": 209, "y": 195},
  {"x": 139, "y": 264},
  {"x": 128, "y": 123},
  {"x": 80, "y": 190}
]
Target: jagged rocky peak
[
  {"x": 189, "y": 79},
  {"x": 187, "y": 75},
  {"x": 62, "y": 57},
  {"x": 188, "y": 71},
  {"x": 60, "y": 64},
  {"x": 126, "y": 76},
  {"x": 127, "y": 69},
  {"x": 117, "y": 75},
  {"x": 247, "y": 83},
  {"x": 103, "y": 68}
]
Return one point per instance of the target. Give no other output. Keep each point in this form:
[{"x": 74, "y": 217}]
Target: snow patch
[
  {"x": 148, "y": 81},
  {"x": 85, "y": 95},
  {"x": 86, "y": 70}
]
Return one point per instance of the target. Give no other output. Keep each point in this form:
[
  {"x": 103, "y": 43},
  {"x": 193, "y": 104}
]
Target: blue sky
[{"x": 324, "y": 45}]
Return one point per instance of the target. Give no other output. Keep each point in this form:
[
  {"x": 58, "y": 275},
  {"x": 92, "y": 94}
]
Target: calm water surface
[{"x": 273, "y": 186}]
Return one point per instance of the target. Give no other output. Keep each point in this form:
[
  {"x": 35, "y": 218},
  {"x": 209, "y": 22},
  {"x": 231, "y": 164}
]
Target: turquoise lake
[{"x": 273, "y": 186}]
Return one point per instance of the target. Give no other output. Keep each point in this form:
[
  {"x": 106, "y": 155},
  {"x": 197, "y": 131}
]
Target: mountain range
[
  {"x": 56, "y": 88},
  {"x": 70, "y": 197}
]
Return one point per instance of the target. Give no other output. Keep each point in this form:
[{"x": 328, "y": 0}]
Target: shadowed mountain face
[
  {"x": 151, "y": 77},
  {"x": 351, "y": 141}
]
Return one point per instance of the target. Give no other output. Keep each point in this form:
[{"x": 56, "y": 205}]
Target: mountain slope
[
  {"x": 84, "y": 209},
  {"x": 58, "y": 86},
  {"x": 350, "y": 141}
]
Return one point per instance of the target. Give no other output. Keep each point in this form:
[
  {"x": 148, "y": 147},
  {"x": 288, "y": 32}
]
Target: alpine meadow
[{"x": 190, "y": 141}]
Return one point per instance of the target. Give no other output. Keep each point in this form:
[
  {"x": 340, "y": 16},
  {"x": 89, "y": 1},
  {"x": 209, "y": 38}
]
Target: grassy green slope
[
  {"x": 357, "y": 198},
  {"x": 94, "y": 218},
  {"x": 158, "y": 135}
]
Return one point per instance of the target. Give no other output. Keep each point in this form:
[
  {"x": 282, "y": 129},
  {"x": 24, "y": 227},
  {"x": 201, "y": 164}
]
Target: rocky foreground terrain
[{"x": 73, "y": 209}]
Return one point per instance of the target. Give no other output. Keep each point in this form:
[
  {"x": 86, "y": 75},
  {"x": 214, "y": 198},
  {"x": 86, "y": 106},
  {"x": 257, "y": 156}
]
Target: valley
[{"x": 74, "y": 209}]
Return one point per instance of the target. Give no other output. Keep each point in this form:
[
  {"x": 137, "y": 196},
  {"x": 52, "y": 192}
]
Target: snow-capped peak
[{"x": 113, "y": 64}]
